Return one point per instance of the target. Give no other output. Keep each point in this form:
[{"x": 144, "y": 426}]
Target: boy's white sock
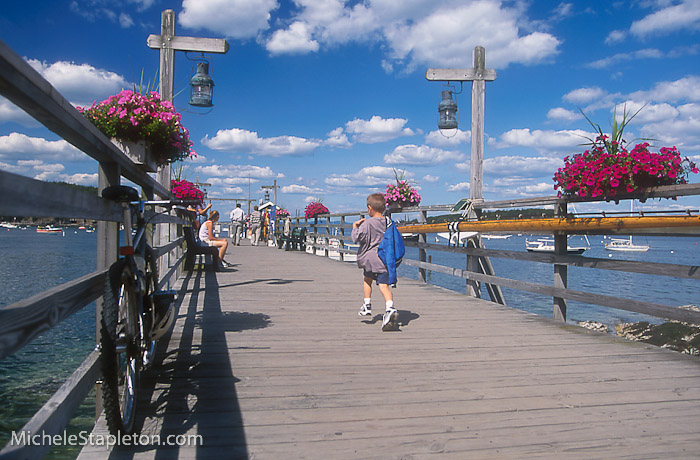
[
  {"x": 389, "y": 304},
  {"x": 368, "y": 301}
]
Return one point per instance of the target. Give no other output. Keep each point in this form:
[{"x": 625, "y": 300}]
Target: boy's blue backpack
[{"x": 391, "y": 250}]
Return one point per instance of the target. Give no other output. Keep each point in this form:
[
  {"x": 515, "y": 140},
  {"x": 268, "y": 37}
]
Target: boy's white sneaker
[
  {"x": 365, "y": 310},
  {"x": 390, "y": 320}
]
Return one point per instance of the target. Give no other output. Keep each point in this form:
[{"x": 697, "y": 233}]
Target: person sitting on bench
[{"x": 206, "y": 236}]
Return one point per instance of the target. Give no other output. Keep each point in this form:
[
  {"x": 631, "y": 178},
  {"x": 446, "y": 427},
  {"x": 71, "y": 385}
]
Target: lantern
[
  {"x": 202, "y": 86},
  {"x": 447, "y": 111}
]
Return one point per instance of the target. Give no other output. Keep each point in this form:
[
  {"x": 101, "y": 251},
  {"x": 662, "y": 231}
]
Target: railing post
[
  {"x": 328, "y": 236},
  {"x": 422, "y": 253},
  {"x": 560, "y": 271},
  {"x": 108, "y": 174},
  {"x": 164, "y": 232},
  {"x": 342, "y": 239},
  {"x": 473, "y": 286}
]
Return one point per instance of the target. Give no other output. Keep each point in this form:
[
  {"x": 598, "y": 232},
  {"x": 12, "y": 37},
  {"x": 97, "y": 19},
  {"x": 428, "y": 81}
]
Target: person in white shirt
[
  {"x": 207, "y": 237},
  {"x": 237, "y": 221}
]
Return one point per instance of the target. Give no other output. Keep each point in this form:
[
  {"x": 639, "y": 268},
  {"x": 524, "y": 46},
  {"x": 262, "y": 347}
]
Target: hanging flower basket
[
  {"x": 186, "y": 190},
  {"x": 401, "y": 194},
  {"x": 139, "y": 152},
  {"x": 599, "y": 173},
  {"x": 315, "y": 209},
  {"x": 132, "y": 117},
  {"x": 608, "y": 168}
]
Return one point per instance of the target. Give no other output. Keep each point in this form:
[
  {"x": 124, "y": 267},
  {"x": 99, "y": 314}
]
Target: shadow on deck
[{"x": 269, "y": 360}]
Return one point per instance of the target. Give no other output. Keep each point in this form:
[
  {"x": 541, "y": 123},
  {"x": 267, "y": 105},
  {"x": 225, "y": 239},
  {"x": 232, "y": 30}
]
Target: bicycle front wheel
[{"x": 121, "y": 349}]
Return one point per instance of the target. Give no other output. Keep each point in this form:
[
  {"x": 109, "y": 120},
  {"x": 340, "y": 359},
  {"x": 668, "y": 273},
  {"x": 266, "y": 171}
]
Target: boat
[
  {"x": 7, "y": 225},
  {"x": 410, "y": 236},
  {"x": 622, "y": 244},
  {"x": 51, "y": 230},
  {"x": 491, "y": 236},
  {"x": 547, "y": 245}
]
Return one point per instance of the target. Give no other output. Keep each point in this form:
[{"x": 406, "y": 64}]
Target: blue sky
[{"x": 329, "y": 97}]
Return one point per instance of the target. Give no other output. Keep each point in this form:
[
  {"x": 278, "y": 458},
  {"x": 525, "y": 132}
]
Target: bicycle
[{"x": 135, "y": 314}]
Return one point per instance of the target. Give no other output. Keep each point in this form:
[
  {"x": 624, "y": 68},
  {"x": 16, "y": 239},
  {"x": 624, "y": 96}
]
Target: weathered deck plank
[{"x": 269, "y": 360}]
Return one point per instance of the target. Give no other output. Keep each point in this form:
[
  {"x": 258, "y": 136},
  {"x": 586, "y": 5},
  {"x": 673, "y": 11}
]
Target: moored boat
[
  {"x": 621, "y": 244},
  {"x": 50, "y": 229},
  {"x": 547, "y": 245}
]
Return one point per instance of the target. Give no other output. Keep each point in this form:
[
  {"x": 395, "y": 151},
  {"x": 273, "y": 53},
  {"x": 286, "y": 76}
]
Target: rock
[
  {"x": 594, "y": 326},
  {"x": 674, "y": 335}
]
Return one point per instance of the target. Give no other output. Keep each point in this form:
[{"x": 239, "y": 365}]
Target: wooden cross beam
[
  {"x": 478, "y": 76},
  {"x": 167, "y": 42}
]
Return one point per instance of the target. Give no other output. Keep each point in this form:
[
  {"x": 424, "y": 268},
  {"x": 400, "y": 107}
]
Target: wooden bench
[
  {"x": 194, "y": 249},
  {"x": 296, "y": 240}
]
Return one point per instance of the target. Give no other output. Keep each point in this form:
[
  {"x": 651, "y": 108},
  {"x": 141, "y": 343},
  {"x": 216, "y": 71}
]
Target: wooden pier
[{"x": 269, "y": 360}]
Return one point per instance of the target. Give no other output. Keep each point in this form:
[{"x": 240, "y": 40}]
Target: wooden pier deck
[{"x": 269, "y": 360}]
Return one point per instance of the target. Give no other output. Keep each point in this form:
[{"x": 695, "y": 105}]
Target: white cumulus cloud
[
  {"x": 295, "y": 40},
  {"x": 238, "y": 174},
  {"x": 411, "y": 154},
  {"x": 233, "y": 18},
  {"x": 297, "y": 188},
  {"x": 370, "y": 176},
  {"x": 377, "y": 129},
  {"x": 544, "y": 140},
  {"x": 80, "y": 83},
  {"x": 562, "y": 114},
  {"x": 20, "y": 146},
  {"x": 242, "y": 141},
  {"x": 669, "y": 19}
]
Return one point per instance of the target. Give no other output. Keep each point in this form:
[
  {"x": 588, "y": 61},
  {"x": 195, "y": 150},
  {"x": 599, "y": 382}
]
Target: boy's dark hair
[{"x": 376, "y": 200}]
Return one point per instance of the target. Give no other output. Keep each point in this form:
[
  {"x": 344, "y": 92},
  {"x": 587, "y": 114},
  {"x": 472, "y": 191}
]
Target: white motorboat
[
  {"x": 547, "y": 245},
  {"x": 621, "y": 244},
  {"x": 50, "y": 230},
  {"x": 492, "y": 236}
]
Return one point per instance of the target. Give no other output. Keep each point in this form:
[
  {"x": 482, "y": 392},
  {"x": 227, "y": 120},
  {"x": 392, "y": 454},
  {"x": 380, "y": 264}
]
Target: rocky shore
[{"x": 674, "y": 335}]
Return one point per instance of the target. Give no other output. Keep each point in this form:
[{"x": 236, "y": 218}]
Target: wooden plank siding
[{"x": 269, "y": 360}]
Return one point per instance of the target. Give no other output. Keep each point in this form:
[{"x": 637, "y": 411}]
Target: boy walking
[{"x": 369, "y": 234}]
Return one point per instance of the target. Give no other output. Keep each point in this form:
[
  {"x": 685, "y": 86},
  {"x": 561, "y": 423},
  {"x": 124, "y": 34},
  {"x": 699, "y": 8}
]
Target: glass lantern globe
[
  {"x": 447, "y": 111},
  {"x": 202, "y": 87}
]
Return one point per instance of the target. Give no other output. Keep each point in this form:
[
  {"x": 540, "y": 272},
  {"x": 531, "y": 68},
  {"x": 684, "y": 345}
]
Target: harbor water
[{"x": 34, "y": 262}]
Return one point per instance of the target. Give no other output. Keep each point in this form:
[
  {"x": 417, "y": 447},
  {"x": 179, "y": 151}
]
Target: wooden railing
[
  {"x": 21, "y": 196},
  {"x": 338, "y": 226}
]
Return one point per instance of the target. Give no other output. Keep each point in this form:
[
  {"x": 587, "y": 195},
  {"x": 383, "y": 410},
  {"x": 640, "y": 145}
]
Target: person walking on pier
[
  {"x": 369, "y": 234},
  {"x": 237, "y": 220},
  {"x": 255, "y": 220},
  {"x": 206, "y": 236}
]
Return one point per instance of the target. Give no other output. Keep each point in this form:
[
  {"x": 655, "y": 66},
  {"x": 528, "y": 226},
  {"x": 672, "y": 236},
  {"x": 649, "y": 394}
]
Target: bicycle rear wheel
[{"x": 121, "y": 349}]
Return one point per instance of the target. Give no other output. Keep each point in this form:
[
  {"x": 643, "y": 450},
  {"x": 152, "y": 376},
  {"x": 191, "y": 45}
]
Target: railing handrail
[
  {"x": 22, "y": 196},
  {"x": 662, "y": 191},
  {"x": 27, "y": 89}
]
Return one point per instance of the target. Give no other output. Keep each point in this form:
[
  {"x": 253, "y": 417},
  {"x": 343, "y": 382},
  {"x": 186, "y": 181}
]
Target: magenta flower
[
  {"x": 600, "y": 172},
  {"x": 186, "y": 190},
  {"x": 314, "y": 209},
  {"x": 131, "y": 116}
]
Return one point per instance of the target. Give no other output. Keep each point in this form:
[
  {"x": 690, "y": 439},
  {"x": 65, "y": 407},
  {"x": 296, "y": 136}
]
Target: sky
[{"x": 329, "y": 97}]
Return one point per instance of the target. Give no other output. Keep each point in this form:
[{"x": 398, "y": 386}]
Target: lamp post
[
  {"x": 447, "y": 111},
  {"x": 167, "y": 42}
]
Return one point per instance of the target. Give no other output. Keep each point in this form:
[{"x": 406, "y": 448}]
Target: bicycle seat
[{"x": 120, "y": 193}]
